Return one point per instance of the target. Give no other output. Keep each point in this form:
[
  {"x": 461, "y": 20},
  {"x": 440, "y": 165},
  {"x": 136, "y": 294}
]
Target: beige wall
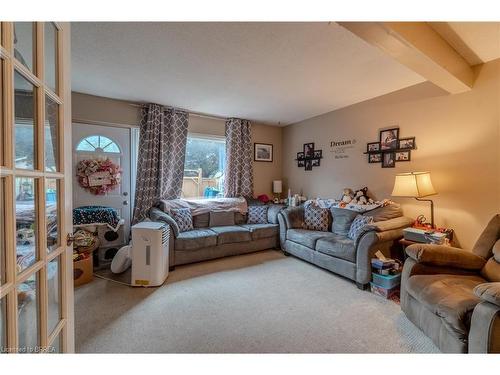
[
  {"x": 458, "y": 140},
  {"x": 106, "y": 110}
]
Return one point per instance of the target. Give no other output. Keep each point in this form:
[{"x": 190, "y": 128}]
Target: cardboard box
[{"x": 83, "y": 271}]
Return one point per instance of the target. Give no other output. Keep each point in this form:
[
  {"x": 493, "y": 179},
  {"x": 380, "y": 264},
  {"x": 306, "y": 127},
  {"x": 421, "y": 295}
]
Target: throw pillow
[
  {"x": 342, "y": 220},
  {"x": 221, "y": 218},
  {"x": 257, "y": 214},
  {"x": 357, "y": 226},
  {"x": 183, "y": 218},
  {"x": 316, "y": 218}
]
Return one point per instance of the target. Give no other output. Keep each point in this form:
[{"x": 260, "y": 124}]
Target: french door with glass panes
[{"x": 36, "y": 274}]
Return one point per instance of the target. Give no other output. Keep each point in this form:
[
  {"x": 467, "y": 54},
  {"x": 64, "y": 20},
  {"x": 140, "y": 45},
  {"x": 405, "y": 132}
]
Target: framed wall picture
[
  {"x": 301, "y": 163},
  {"x": 318, "y": 154},
  {"x": 300, "y": 156},
  {"x": 316, "y": 162},
  {"x": 375, "y": 158},
  {"x": 373, "y": 146},
  {"x": 403, "y": 155},
  {"x": 389, "y": 139},
  {"x": 263, "y": 152},
  {"x": 388, "y": 160},
  {"x": 308, "y": 165},
  {"x": 309, "y": 150},
  {"x": 407, "y": 143}
]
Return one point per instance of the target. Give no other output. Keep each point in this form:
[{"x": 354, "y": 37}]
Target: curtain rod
[{"x": 196, "y": 114}]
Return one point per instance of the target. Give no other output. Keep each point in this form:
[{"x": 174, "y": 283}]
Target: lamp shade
[
  {"x": 413, "y": 185},
  {"x": 277, "y": 186}
]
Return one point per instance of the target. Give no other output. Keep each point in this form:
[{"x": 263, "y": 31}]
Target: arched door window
[{"x": 98, "y": 143}]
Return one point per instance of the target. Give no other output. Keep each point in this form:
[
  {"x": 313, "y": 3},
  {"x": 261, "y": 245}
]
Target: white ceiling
[
  {"x": 266, "y": 72},
  {"x": 477, "y": 42}
]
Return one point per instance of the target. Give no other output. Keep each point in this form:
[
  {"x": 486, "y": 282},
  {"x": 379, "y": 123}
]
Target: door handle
[
  {"x": 125, "y": 203},
  {"x": 69, "y": 239},
  {"x": 125, "y": 193}
]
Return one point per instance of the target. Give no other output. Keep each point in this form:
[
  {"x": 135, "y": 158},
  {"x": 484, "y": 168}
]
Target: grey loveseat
[
  {"x": 205, "y": 242},
  {"x": 333, "y": 250},
  {"x": 453, "y": 295}
]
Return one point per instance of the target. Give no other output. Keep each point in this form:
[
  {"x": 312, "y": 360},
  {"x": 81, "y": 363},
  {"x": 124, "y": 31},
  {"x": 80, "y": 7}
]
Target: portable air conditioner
[{"x": 149, "y": 253}]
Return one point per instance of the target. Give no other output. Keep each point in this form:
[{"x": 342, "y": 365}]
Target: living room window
[{"x": 204, "y": 167}]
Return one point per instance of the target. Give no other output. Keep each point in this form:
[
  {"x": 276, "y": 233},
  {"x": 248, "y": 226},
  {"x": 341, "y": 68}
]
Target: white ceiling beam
[{"x": 420, "y": 48}]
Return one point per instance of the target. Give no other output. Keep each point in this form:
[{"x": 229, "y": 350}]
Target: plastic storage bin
[
  {"x": 386, "y": 281},
  {"x": 383, "y": 292}
]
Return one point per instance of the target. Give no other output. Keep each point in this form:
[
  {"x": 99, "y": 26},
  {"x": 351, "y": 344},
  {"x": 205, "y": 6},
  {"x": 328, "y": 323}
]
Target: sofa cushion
[
  {"x": 257, "y": 214},
  {"x": 491, "y": 270},
  {"x": 195, "y": 239},
  {"x": 221, "y": 218},
  {"x": 337, "y": 246},
  {"x": 450, "y": 297},
  {"x": 486, "y": 241},
  {"x": 259, "y": 231},
  {"x": 231, "y": 234},
  {"x": 183, "y": 218},
  {"x": 342, "y": 220},
  {"x": 496, "y": 251},
  {"x": 316, "y": 218},
  {"x": 305, "y": 237},
  {"x": 391, "y": 211},
  {"x": 201, "y": 220},
  {"x": 240, "y": 218}
]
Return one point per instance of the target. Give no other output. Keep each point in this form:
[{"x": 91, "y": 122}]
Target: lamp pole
[{"x": 432, "y": 208}]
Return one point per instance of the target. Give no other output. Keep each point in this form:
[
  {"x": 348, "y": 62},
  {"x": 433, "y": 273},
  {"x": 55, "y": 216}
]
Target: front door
[
  {"x": 36, "y": 263},
  {"x": 98, "y": 142}
]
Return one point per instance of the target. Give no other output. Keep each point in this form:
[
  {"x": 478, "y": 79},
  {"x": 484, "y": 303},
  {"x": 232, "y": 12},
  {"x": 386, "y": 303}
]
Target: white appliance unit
[{"x": 149, "y": 253}]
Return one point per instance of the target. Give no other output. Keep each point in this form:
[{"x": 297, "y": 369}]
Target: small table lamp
[
  {"x": 277, "y": 187},
  {"x": 415, "y": 185}
]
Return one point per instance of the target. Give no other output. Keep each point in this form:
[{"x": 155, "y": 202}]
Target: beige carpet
[{"x": 256, "y": 303}]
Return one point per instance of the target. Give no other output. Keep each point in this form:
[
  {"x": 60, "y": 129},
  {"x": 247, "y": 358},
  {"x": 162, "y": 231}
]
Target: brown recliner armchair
[{"x": 453, "y": 295}]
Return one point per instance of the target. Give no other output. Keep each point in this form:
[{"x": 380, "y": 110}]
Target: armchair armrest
[
  {"x": 156, "y": 214},
  {"x": 445, "y": 256},
  {"x": 489, "y": 292}
]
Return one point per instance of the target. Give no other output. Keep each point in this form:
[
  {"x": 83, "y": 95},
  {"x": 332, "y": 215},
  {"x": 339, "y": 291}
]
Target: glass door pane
[
  {"x": 50, "y": 56},
  {"x": 51, "y": 212},
  {"x": 51, "y": 135},
  {"x": 24, "y": 45},
  {"x": 2, "y": 231},
  {"x": 3, "y": 325},
  {"x": 54, "y": 287},
  {"x": 27, "y": 315},
  {"x": 1, "y": 115},
  {"x": 25, "y": 110},
  {"x": 26, "y": 223}
]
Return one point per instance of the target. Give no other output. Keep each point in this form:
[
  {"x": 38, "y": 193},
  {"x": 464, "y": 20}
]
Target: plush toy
[
  {"x": 347, "y": 196},
  {"x": 361, "y": 197}
]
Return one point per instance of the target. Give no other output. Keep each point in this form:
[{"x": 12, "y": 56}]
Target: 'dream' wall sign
[{"x": 341, "y": 148}]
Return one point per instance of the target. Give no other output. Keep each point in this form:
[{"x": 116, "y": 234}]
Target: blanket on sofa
[
  {"x": 201, "y": 206},
  {"x": 361, "y": 208}
]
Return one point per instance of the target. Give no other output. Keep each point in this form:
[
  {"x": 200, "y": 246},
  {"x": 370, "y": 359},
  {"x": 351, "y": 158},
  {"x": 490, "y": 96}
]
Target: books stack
[{"x": 386, "y": 277}]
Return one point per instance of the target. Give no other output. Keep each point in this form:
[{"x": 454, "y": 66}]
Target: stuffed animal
[
  {"x": 361, "y": 197},
  {"x": 347, "y": 196}
]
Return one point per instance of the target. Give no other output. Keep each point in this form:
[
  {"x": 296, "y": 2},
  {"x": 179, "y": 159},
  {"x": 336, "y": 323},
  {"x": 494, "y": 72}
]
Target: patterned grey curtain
[
  {"x": 160, "y": 164},
  {"x": 238, "y": 179}
]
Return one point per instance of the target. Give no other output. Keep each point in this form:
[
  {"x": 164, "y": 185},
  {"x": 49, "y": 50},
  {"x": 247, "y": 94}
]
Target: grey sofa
[
  {"x": 204, "y": 242},
  {"x": 453, "y": 295},
  {"x": 333, "y": 250}
]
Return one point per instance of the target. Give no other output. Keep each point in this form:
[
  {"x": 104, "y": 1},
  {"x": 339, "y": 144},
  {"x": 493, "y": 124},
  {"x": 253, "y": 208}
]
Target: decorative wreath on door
[{"x": 98, "y": 176}]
